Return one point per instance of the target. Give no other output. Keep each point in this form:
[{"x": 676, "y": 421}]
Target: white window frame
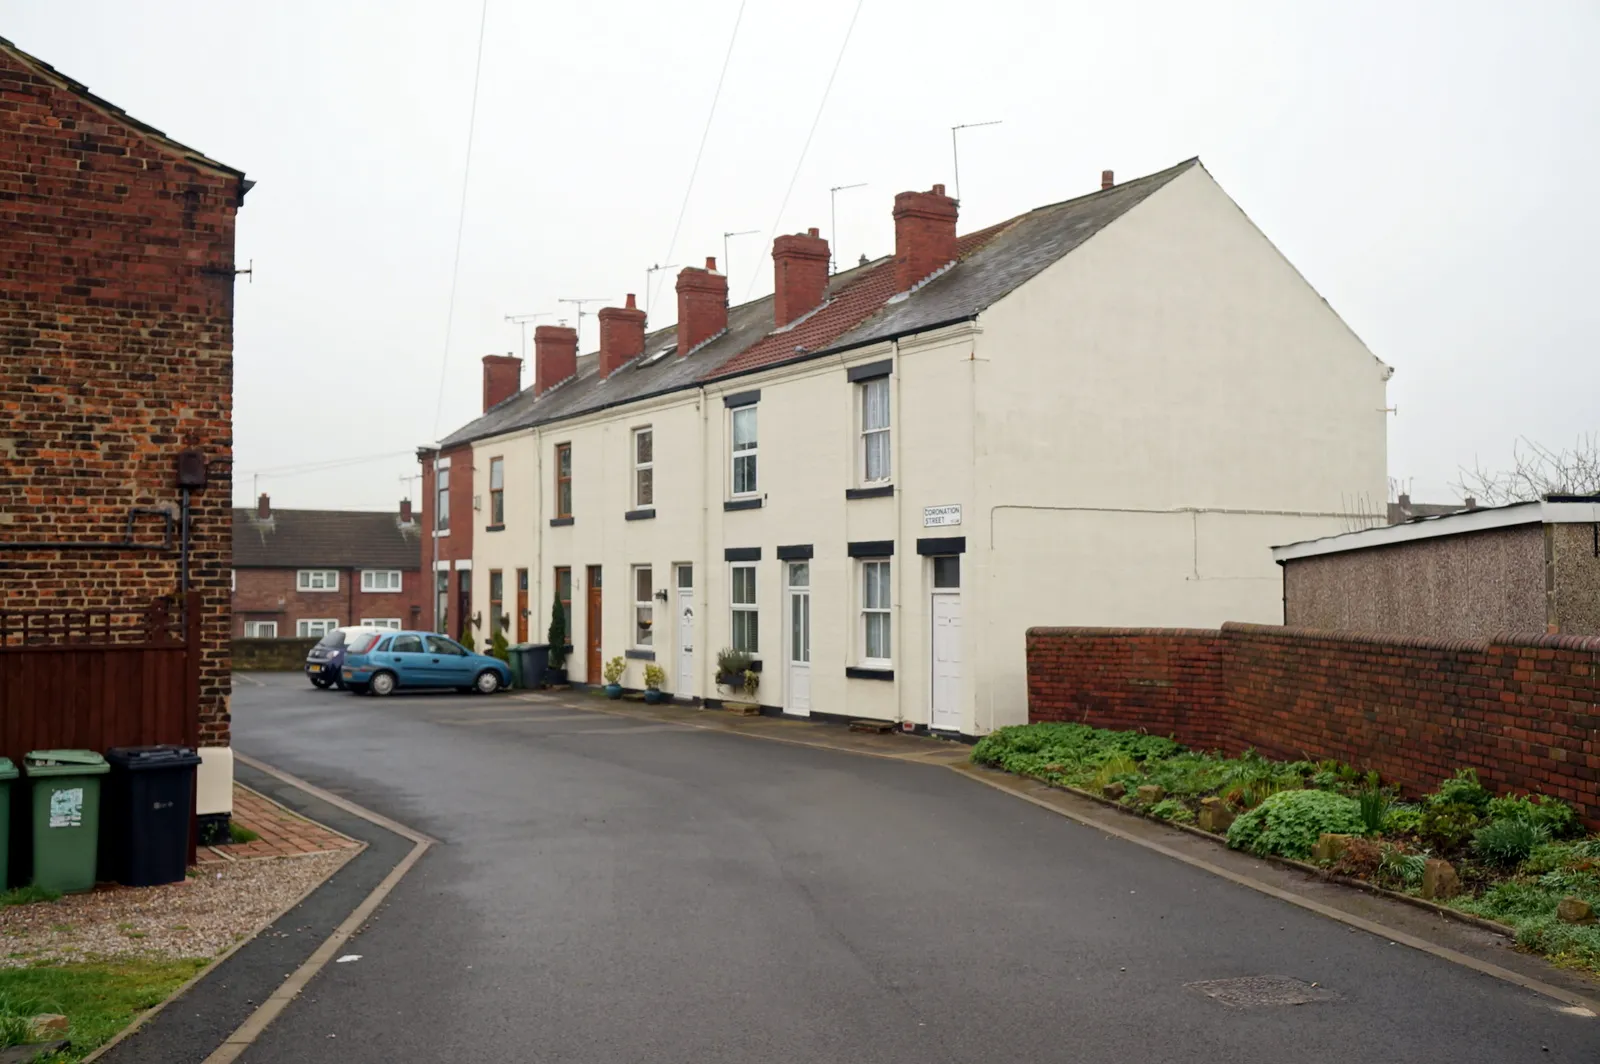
[
  {"x": 497, "y": 491},
  {"x": 233, "y": 579},
  {"x": 391, "y": 581},
  {"x": 751, "y": 452},
  {"x": 441, "y": 499},
  {"x": 884, "y": 609},
  {"x": 316, "y": 580},
  {"x": 643, "y": 609},
  {"x": 640, "y": 468},
  {"x": 307, "y": 627},
  {"x": 261, "y": 629},
  {"x": 382, "y": 622},
  {"x": 736, "y": 608},
  {"x": 865, "y": 390}
]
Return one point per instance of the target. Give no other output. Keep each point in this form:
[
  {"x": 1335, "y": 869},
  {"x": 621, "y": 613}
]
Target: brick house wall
[
  {"x": 116, "y": 317},
  {"x": 274, "y": 595},
  {"x": 1522, "y": 710},
  {"x": 454, "y": 550}
]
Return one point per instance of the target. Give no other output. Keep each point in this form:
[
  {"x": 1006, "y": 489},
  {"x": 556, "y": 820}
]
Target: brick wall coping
[
  {"x": 1533, "y": 640},
  {"x": 1069, "y": 630}
]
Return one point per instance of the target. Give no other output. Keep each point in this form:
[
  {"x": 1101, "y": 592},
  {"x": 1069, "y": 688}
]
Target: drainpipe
[
  {"x": 897, "y": 470},
  {"x": 702, "y": 626}
]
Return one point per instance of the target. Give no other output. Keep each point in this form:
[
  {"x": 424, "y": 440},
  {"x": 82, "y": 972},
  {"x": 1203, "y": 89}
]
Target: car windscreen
[{"x": 333, "y": 638}]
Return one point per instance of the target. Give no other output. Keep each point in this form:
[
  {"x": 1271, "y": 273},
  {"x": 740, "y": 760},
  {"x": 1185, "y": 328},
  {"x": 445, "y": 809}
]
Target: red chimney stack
[
  {"x": 1107, "y": 179},
  {"x": 405, "y": 511},
  {"x": 621, "y": 336},
  {"x": 502, "y": 378},
  {"x": 555, "y": 356},
  {"x": 800, "y": 275},
  {"x": 702, "y": 305},
  {"x": 924, "y": 235},
  {"x": 263, "y": 508}
]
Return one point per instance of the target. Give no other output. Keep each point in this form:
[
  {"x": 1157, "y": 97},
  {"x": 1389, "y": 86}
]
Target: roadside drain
[{"x": 1262, "y": 991}]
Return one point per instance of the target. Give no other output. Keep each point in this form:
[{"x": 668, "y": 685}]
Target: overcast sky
[{"x": 1429, "y": 167}]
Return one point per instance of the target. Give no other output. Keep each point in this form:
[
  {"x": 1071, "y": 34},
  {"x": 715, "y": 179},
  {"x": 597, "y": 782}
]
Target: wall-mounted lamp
[{"x": 662, "y": 594}]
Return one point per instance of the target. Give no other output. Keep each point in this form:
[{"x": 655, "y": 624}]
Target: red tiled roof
[{"x": 848, "y": 308}]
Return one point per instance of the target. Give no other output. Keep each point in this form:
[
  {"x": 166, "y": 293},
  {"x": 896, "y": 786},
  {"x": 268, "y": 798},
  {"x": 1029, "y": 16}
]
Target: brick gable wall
[
  {"x": 1521, "y": 710},
  {"x": 116, "y": 319},
  {"x": 273, "y": 595}
]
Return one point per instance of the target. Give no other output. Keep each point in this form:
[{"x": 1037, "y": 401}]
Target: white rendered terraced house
[{"x": 1101, "y": 412}]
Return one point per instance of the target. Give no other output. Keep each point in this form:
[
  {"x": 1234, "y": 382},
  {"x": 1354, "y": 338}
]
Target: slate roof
[
  {"x": 325, "y": 539},
  {"x": 862, "y": 307}
]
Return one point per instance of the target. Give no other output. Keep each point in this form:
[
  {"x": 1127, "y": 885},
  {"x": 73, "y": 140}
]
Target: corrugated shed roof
[
  {"x": 332, "y": 539},
  {"x": 859, "y": 310}
]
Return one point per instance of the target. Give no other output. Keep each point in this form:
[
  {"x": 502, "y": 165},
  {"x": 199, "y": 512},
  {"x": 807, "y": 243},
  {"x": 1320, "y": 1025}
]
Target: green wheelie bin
[
  {"x": 8, "y": 772},
  {"x": 66, "y": 816}
]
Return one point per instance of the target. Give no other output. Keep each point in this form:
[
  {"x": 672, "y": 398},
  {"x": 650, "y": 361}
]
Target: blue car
[
  {"x": 326, "y": 659},
  {"x": 419, "y": 659}
]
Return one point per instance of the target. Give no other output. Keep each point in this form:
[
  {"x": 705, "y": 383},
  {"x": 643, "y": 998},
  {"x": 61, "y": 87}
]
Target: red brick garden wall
[
  {"x": 1520, "y": 710},
  {"x": 116, "y": 352}
]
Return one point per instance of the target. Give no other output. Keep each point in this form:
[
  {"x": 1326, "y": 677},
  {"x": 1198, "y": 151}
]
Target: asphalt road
[{"x": 608, "y": 890}]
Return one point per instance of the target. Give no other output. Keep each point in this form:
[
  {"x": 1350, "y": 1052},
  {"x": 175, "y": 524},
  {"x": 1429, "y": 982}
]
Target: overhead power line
[
  {"x": 822, "y": 103},
  {"x": 461, "y": 220},
  {"x": 694, "y": 170}
]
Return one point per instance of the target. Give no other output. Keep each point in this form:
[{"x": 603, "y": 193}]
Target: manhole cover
[{"x": 1260, "y": 991}]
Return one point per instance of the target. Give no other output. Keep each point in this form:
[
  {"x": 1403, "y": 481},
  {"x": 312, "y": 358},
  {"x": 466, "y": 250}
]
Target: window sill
[
  {"x": 494, "y": 528},
  {"x": 560, "y": 522},
  {"x": 440, "y": 533},
  {"x": 639, "y": 655},
  {"x": 646, "y": 514},
  {"x": 744, "y": 504},
  {"x": 856, "y": 672},
  {"x": 880, "y": 492}
]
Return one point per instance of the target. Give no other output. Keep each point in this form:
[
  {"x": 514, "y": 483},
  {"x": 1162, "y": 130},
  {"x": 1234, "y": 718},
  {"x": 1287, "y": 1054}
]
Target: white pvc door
[
  {"x": 685, "y": 687},
  {"x": 947, "y": 660},
  {"x": 797, "y": 689}
]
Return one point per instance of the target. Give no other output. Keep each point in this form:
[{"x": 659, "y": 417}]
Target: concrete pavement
[{"x": 611, "y": 889}]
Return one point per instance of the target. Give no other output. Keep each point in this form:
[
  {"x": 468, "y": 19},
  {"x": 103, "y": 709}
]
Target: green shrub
[
  {"x": 1121, "y": 766},
  {"x": 1189, "y": 774},
  {"x": 557, "y": 633},
  {"x": 1463, "y": 790},
  {"x": 1552, "y": 814},
  {"x": 499, "y": 647},
  {"x": 1507, "y": 842},
  {"x": 1574, "y": 944},
  {"x": 1401, "y": 867},
  {"x": 1448, "y": 824},
  {"x": 1172, "y": 809},
  {"x": 466, "y": 636},
  {"x": 1251, "y": 778},
  {"x": 1564, "y": 881},
  {"x": 1288, "y": 823},
  {"x": 1374, "y": 803},
  {"x": 1028, "y": 748},
  {"x": 1549, "y": 857},
  {"x": 1511, "y": 900},
  {"x": 1403, "y": 820}
]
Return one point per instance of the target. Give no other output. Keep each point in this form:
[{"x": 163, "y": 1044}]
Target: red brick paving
[{"x": 283, "y": 833}]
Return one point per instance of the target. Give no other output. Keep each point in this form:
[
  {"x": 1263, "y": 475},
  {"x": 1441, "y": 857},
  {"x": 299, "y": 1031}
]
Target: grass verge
[{"x": 99, "y": 998}]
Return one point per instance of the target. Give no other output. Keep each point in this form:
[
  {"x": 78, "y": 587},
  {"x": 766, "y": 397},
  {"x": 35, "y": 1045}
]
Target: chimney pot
[
  {"x": 924, "y": 235},
  {"x": 1107, "y": 179},
  {"x": 502, "y": 378},
  {"x": 1405, "y": 501},
  {"x": 702, "y": 305},
  {"x": 263, "y": 507},
  {"x": 621, "y": 336},
  {"x": 800, "y": 275},
  {"x": 555, "y": 356}
]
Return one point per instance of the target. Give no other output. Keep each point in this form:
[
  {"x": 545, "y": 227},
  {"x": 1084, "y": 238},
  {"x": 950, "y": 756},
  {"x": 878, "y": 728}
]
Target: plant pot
[
  {"x": 654, "y": 696},
  {"x": 613, "y": 691},
  {"x": 555, "y": 677}
]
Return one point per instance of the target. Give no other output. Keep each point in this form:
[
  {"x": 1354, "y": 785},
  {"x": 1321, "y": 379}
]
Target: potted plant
[
  {"x": 654, "y": 677},
  {"x": 731, "y": 667},
  {"x": 614, "y": 670},
  {"x": 466, "y": 636},
  {"x": 751, "y": 681},
  {"x": 555, "y": 672}
]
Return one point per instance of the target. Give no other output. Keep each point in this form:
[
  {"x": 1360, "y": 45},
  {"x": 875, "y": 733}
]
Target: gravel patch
[{"x": 199, "y": 917}]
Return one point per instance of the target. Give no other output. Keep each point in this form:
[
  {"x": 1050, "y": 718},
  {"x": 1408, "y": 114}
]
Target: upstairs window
[
  {"x": 386, "y": 581},
  {"x": 497, "y": 493},
  {"x": 441, "y": 500},
  {"x": 744, "y": 450},
  {"x": 563, "y": 480},
  {"x": 317, "y": 580},
  {"x": 644, "y": 471},
  {"x": 875, "y": 430}
]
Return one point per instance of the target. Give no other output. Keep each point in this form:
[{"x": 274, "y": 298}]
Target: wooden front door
[
  {"x": 593, "y": 672},
  {"x": 522, "y": 605}
]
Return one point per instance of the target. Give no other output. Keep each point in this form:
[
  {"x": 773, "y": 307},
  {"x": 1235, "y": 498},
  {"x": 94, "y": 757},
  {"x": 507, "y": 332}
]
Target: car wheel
[
  {"x": 487, "y": 683},
  {"x": 319, "y": 683},
  {"x": 382, "y": 684},
  {"x": 338, "y": 685}
]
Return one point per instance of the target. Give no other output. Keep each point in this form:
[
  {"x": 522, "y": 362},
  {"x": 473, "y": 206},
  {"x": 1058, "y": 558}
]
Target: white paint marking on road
[
  {"x": 475, "y": 722},
  {"x": 347, "y": 958}
]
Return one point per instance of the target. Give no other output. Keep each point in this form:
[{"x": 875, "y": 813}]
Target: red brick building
[
  {"x": 298, "y": 573},
  {"x": 116, "y": 320}
]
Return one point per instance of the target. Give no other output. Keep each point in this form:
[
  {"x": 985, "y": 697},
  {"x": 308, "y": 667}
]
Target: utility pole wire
[
  {"x": 694, "y": 171},
  {"x": 461, "y": 220},
  {"x": 821, "y": 104}
]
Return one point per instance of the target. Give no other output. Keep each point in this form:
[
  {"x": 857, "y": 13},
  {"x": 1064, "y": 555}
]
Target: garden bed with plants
[{"x": 1523, "y": 861}]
